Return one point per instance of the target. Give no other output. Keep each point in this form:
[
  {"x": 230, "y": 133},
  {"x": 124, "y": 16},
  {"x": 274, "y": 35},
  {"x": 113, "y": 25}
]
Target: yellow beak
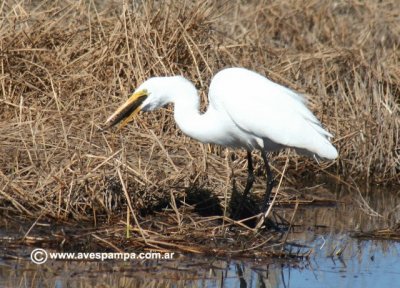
[{"x": 127, "y": 111}]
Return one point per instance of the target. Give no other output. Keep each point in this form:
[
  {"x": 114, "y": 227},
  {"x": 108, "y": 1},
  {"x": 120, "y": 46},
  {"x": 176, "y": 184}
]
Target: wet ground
[{"x": 341, "y": 255}]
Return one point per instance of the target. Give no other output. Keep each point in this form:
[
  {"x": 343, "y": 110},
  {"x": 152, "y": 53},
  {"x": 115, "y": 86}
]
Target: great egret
[{"x": 246, "y": 110}]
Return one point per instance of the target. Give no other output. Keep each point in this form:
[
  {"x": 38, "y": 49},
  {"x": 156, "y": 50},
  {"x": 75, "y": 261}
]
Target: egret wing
[{"x": 268, "y": 110}]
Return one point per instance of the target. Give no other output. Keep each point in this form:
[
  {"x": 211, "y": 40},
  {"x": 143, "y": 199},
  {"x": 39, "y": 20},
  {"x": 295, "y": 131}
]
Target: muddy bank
[{"x": 327, "y": 234}]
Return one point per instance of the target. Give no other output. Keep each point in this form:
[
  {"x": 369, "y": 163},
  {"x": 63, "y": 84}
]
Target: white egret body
[{"x": 246, "y": 110}]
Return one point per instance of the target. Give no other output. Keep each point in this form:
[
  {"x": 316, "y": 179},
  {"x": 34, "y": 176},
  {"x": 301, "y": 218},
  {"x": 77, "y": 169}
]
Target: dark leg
[
  {"x": 240, "y": 202},
  {"x": 270, "y": 182},
  {"x": 250, "y": 175}
]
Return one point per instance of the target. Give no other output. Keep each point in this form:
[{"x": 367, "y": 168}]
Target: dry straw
[{"x": 66, "y": 65}]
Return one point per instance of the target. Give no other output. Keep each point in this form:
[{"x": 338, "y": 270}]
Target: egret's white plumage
[{"x": 246, "y": 110}]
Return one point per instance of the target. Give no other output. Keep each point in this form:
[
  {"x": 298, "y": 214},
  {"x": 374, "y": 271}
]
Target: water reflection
[{"x": 337, "y": 259}]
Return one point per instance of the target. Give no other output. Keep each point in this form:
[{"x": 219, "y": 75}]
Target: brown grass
[
  {"x": 66, "y": 65},
  {"x": 381, "y": 234}
]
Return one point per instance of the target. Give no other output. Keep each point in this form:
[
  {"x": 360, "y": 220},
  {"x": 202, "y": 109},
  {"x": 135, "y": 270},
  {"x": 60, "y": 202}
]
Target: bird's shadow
[
  {"x": 248, "y": 207},
  {"x": 207, "y": 204},
  {"x": 244, "y": 207}
]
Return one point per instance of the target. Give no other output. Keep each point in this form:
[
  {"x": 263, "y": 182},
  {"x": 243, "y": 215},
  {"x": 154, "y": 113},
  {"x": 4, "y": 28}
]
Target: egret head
[{"x": 150, "y": 95}]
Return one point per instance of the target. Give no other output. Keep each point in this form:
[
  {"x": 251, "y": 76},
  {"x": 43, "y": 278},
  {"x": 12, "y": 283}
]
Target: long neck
[{"x": 186, "y": 111}]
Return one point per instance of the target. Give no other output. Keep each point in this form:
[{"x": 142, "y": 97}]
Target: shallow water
[{"x": 336, "y": 259}]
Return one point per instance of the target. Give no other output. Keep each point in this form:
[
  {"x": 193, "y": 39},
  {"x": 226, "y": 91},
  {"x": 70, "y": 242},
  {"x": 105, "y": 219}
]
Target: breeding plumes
[{"x": 246, "y": 110}]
